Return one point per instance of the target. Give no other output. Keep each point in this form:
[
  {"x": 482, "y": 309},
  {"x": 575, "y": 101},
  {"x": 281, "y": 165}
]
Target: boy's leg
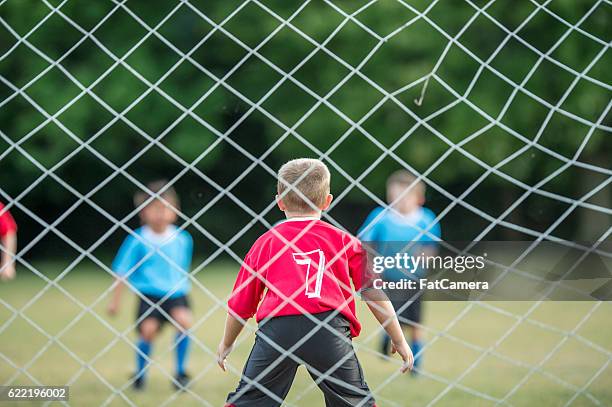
[
  {"x": 343, "y": 385},
  {"x": 385, "y": 343},
  {"x": 338, "y": 372},
  {"x": 416, "y": 333},
  {"x": 148, "y": 329},
  {"x": 182, "y": 316},
  {"x": 272, "y": 388}
]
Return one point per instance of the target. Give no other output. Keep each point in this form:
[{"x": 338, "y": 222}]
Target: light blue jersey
[
  {"x": 385, "y": 225},
  {"x": 151, "y": 272}
]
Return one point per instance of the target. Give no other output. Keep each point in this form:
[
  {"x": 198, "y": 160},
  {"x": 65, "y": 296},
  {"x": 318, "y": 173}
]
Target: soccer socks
[
  {"x": 417, "y": 346},
  {"x": 142, "y": 357},
  {"x": 182, "y": 349},
  {"x": 144, "y": 350}
]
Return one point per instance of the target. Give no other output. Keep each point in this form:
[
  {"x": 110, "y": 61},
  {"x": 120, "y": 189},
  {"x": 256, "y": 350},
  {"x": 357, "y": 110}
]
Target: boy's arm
[
  {"x": 7, "y": 266},
  {"x": 379, "y": 303},
  {"x": 113, "y": 306},
  {"x": 244, "y": 300},
  {"x": 385, "y": 314},
  {"x": 122, "y": 266},
  {"x": 430, "y": 246},
  {"x": 233, "y": 327}
]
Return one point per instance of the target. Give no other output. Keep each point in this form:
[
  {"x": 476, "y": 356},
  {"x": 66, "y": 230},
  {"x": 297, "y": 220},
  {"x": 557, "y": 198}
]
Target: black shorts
[
  {"x": 150, "y": 311},
  {"x": 408, "y": 311},
  {"x": 342, "y": 382}
]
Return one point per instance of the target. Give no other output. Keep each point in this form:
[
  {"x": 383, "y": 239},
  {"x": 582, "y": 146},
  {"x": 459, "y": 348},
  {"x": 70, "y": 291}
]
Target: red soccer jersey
[
  {"x": 314, "y": 269},
  {"x": 7, "y": 223}
]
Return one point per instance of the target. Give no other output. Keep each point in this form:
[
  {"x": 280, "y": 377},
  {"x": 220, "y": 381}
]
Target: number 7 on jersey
[{"x": 305, "y": 259}]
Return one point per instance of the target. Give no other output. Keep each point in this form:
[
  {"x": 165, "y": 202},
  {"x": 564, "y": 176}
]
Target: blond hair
[
  {"x": 308, "y": 176},
  {"x": 406, "y": 179},
  {"x": 168, "y": 194}
]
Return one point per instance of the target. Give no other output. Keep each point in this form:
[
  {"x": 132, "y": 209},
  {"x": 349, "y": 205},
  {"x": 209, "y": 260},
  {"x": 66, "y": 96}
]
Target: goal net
[{"x": 501, "y": 109}]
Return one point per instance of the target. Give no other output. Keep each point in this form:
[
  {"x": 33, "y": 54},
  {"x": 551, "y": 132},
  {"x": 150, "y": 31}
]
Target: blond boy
[{"x": 297, "y": 280}]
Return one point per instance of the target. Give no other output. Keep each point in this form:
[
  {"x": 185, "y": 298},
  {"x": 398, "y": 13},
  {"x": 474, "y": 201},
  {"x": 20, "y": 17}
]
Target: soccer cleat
[
  {"x": 181, "y": 381},
  {"x": 138, "y": 383}
]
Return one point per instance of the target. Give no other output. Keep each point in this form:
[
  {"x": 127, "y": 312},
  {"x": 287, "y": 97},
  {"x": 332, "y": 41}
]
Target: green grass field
[{"x": 450, "y": 354}]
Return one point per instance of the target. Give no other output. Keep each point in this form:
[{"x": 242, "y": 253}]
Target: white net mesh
[{"x": 526, "y": 340}]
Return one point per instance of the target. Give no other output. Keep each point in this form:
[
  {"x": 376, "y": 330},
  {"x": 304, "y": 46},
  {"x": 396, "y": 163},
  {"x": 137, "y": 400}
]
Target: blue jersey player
[
  {"x": 155, "y": 261},
  {"x": 406, "y": 222}
]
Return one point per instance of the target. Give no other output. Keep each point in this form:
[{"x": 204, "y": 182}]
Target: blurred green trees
[{"x": 118, "y": 93}]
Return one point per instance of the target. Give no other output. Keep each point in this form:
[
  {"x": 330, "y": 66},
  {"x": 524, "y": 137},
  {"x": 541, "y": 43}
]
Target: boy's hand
[
  {"x": 406, "y": 353},
  {"x": 8, "y": 273},
  {"x": 113, "y": 308},
  {"x": 222, "y": 352}
]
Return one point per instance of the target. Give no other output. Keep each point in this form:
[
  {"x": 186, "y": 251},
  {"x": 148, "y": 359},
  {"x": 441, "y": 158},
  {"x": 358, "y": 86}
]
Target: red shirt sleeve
[
  {"x": 7, "y": 223},
  {"x": 248, "y": 289}
]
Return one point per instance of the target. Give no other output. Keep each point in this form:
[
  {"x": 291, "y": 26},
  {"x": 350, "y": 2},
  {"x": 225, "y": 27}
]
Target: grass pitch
[{"x": 469, "y": 359}]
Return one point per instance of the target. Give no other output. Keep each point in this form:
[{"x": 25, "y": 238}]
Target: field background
[
  {"x": 445, "y": 360},
  {"x": 502, "y": 108}
]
